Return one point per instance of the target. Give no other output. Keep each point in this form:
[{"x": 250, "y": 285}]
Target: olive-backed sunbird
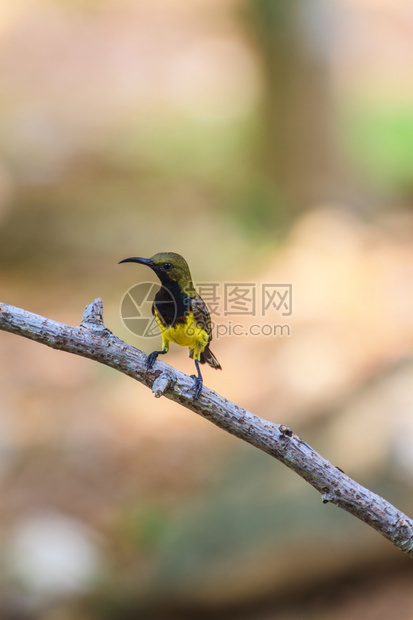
[{"x": 181, "y": 314}]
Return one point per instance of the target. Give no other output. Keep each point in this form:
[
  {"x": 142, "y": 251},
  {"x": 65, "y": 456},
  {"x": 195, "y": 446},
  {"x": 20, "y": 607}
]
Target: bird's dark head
[{"x": 168, "y": 266}]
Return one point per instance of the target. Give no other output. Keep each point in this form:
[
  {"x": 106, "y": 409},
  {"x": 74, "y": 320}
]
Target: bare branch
[{"x": 93, "y": 340}]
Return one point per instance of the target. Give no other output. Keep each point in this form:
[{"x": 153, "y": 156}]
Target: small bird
[{"x": 181, "y": 314}]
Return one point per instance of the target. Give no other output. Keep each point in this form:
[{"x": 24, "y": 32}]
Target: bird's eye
[{"x": 167, "y": 266}]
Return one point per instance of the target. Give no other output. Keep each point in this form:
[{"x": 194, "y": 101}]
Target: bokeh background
[{"x": 266, "y": 141}]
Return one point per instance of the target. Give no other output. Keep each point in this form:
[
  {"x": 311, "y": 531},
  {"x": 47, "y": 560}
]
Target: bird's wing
[{"x": 201, "y": 315}]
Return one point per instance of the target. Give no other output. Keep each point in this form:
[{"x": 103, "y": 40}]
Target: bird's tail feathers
[{"x": 208, "y": 357}]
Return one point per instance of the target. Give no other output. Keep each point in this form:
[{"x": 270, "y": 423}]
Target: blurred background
[{"x": 267, "y": 142}]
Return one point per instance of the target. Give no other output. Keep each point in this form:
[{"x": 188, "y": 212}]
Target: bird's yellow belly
[{"x": 188, "y": 334}]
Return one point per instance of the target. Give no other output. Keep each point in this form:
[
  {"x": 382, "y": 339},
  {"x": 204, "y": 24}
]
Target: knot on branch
[
  {"x": 285, "y": 431},
  {"x": 161, "y": 384},
  {"x": 93, "y": 317},
  {"x": 333, "y": 496}
]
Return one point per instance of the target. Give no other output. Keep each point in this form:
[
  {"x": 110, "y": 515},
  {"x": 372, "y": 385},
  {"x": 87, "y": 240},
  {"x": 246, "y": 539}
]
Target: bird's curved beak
[{"x": 137, "y": 259}]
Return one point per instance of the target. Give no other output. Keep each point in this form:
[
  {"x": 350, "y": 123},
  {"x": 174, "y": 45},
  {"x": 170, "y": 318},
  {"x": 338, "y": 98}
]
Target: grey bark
[{"x": 93, "y": 340}]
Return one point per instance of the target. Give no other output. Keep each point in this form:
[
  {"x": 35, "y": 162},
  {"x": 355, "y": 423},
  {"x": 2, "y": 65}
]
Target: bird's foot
[
  {"x": 151, "y": 359},
  {"x": 197, "y": 386}
]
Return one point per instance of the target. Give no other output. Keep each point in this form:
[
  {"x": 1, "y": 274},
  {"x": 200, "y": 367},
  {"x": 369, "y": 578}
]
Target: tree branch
[{"x": 93, "y": 340}]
